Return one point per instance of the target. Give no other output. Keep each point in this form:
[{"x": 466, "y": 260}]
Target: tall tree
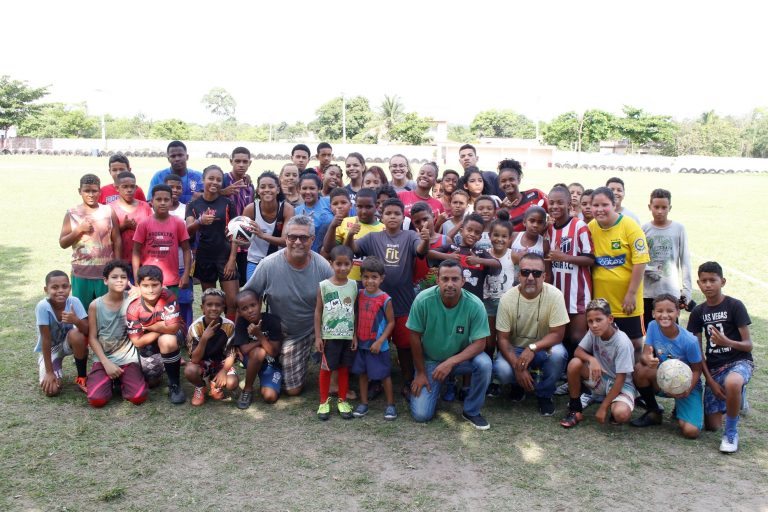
[
  {"x": 411, "y": 130},
  {"x": 756, "y": 134},
  {"x": 17, "y": 103},
  {"x": 170, "y": 129},
  {"x": 58, "y": 120},
  {"x": 220, "y": 103},
  {"x": 709, "y": 135},
  {"x": 391, "y": 112},
  {"x": 641, "y": 128},
  {"x": 328, "y": 123},
  {"x": 503, "y": 123}
]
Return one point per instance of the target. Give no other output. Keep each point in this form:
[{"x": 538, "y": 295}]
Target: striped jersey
[{"x": 574, "y": 239}]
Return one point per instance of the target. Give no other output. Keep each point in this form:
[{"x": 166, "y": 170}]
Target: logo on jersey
[
  {"x": 192, "y": 185},
  {"x": 640, "y": 245},
  {"x": 459, "y": 329},
  {"x": 566, "y": 244},
  {"x": 615, "y": 245},
  {"x": 611, "y": 261}
]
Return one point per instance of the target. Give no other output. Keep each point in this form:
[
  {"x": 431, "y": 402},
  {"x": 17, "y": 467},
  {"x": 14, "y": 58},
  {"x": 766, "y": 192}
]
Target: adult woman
[
  {"x": 316, "y": 207},
  {"x": 515, "y": 201},
  {"x": 424, "y": 183},
  {"x": 402, "y": 177},
  {"x": 355, "y": 166}
]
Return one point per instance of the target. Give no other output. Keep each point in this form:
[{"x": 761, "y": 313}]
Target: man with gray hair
[{"x": 288, "y": 281}]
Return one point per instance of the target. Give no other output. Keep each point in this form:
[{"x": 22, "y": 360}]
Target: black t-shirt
[
  {"x": 474, "y": 275},
  {"x": 213, "y": 243},
  {"x": 270, "y": 326},
  {"x": 727, "y": 316}
]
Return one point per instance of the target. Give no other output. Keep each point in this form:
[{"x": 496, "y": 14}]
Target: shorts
[
  {"x": 631, "y": 326},
  {"x": 57, "y": 356},
  {"x": 375, "y": 366},
  {"x": 337, "y": 354},
  {"x": 401, "y": 335},
  {"x": 186, "y": 295},
  {"x": 601, "y": 388},
  {"x": 745, "y": 368},
  {"x": 212, "y": 271},
  {"x": 294, "y": 357},
  {"x": 250, "y": 269},
  {"x": 87, "y": 290},
  {"x": 691, "y": 408},
  {"x": 209, "y": 368},
  {"x": 271, "y": 374},
  {"x": 491, "y": 306},
  {"x": 132, "y": 385}
]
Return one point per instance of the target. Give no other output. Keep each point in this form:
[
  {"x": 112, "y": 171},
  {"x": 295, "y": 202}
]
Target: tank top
[
  {"x": 260, "y": 248},
  {"x": 93, "y": 250},
  {"x": 113, "y": 334},
  {"x": 538, "y": 248}
]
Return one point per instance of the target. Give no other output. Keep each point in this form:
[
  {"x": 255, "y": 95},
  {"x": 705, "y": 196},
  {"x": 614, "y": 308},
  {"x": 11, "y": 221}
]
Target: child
[
  {"x": 289, "y": 179},
  {"x": 355, "y": 166},
  {"x": 116, "y": 357},
  {"x": 437, "y": 189},
  {"x": 665, "y": 340},
  {"x": 604, "y": 360},
  {"x": 617, "y": 186},
  {"x": 117, "y": 164},
  {"x": 332, "y": 178},
  {"x": 425, "y": 270},
  {"x": 159, "y": 239},
  {"x": 154, "y": 327},
  {"x": 497, "y": 284},
  {"x": 300, "y": 155},
  {"x": 728, "y": 366},
  {"x": 575, "y": 190},
  {"x": 530, "y": 240},
  {"x": 238, "y": 186},
  {"x": 586, "y": 206},
  {"x": 374, "y": 177},
  {"x": 335, "y": 330},
  {"x": 424, "y": 183},
  {"x": 459, "y": 203},
  {"x": 92, "y": 230},
  {"x": 211, "y": 352},
  {"x": 375, "y": 321},
  {"x": 62, "y": 325},
  {"x": 259, "y": 338},
  {"x": 516, "y": 201},
  {"x": 130, "y": 212},
  {"x": 670, "y": 257},
  {"x": 186, "y": 295},
  {"x": 449, "y": 186},
  {"x": 476, "y": 187}
]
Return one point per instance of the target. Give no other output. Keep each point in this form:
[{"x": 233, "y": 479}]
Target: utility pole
[{"x": 343, "y": 119}]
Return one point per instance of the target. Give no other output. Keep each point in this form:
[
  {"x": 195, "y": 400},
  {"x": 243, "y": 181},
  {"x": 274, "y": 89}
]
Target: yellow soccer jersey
[{"x": 341, "y": 235}]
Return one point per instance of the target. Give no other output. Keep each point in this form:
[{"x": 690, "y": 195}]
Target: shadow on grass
[{"x": 16, "y": 312}]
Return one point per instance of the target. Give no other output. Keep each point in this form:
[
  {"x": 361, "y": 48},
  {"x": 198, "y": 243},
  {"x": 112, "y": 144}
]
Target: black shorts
[
  {"x": 212, "y": 271},
  {"x": 337, "y": 354},
  {"x": 631, "y": 326}
]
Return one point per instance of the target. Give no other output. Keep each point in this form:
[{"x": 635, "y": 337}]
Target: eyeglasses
[
  {"x": 398, "y": 166},
  {"x": 525, "y": 272},
  {"x": 294, "y": 238}
]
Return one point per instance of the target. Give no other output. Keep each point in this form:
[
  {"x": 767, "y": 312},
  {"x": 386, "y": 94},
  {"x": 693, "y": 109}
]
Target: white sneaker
[
  {"x": 729, "y": 444},
  {"x": 562, "y": 389},
  {"x": 586, "y": 400}
]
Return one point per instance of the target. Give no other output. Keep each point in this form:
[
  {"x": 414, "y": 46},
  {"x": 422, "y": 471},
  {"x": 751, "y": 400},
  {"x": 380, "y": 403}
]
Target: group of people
[{"x": 479, "y": 285}]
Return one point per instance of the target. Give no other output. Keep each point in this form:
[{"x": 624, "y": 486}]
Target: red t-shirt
[
  {"x": 109, "y": 194},
  {"x": 530, "y": 198},
  {"x": 139, "y": 315},
  {"x": 160, "y": 242},
  {"x": 409, "y": 198}
]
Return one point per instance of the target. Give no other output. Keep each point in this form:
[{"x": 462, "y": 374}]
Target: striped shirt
[{"x": 573, "y": 280}]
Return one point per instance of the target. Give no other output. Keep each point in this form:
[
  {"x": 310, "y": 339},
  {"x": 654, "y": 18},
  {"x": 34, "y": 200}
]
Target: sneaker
[
  {"x": 648, "y": 419},
  {"x": 478, "y": 421},
  {"x": 324, "y": 411},
  {"x": 493, "y": 391},
  {"x": 562, "y": 389},
  {"x": 244, "y": 402},
  {"x": 571, "y": 419},
  {"x": 216, "y": 392},
  {"x": 390, "y": 413},
  {"x": 546, "y": 406},
  {"x": 730, "y": 443},
  {"x": 360, "y": 411},
  {"x": 176, "y": 394},
  {"x": 345, "y": 409},
  {"x": 586, "y": 400},
  {"x": 80, "y": 383},
  {"x": 198, "y": 397},
  {"x": 449, "y": 395},
  {"x": 516, "y": 394}
]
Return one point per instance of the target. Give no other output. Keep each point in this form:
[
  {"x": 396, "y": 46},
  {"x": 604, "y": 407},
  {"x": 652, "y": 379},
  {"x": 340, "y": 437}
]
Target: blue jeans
[
  {"x": 480, "y": 367},
  {"x": 551, "y": 363}
]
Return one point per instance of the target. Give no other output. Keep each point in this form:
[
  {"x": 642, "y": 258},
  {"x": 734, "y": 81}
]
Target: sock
[
  {"x": 80, "y": 364},
  {"x": 343, "y": 383},
  {"x": 574, "y": 404},
  {"x": 649, "y": 395},
  {"x": 325, "y": 385},
  {"x": 172, "y": 363},
  {"x": 731, "y": 425}
]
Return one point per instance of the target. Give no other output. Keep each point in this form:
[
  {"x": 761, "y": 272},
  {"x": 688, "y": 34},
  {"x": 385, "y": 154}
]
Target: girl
[
  {"x": 572, "y": 257},
  {"x": 530, "y": 240},
  {"x": 374, "y": 177},
  {"x": 355, "y": 164},
  {"x": 207, "y": 216},
  {"x": 130, "y": 211},
  {"x": 402, "y": 177},
  {"x": 621, "y": 253},
  {"x": 454, "y": 216},
  {"x": 331, "y": 179},
  {"x": 424, "y": 183},
  {"x": 586, "y": 206},
  {"x": 576, "y": 190},
  {"x": 269, "y": 212},
  {"x": 289, "y": 180},
  {"x": 515, "y": 201},
  {"x": 319, "y": 208},
  {"x": 335, "y": 330},
  {"x": 473, "y": 183},
  {"x": 485, "y": 206}
]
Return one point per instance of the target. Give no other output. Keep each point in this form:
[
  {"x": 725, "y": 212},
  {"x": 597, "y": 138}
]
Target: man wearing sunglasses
[{"x": 531, "y": 322}]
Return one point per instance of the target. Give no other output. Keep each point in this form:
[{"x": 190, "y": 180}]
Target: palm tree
[{"x": 390, "y": 113}]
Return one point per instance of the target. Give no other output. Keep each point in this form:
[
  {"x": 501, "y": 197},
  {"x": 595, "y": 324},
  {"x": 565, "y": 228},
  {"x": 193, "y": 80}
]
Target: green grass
[{"x": 59, "y": 454}]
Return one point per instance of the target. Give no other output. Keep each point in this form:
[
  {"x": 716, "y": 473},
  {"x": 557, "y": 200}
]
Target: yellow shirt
[
  {"x": 341, "y": 235},
  {"x": 617, "y": 250}
]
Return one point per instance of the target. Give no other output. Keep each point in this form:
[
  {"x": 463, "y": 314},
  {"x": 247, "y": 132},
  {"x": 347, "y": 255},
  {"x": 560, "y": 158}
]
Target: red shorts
[
  {"x": 401, "y": 335},
  {"x": 132, "y": 384}
]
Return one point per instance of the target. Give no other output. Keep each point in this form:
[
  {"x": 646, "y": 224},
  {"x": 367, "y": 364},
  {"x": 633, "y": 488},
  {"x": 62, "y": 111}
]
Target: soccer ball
[
  {"x": 237, "y": 229},
  {"x": 674, "y": 376}
]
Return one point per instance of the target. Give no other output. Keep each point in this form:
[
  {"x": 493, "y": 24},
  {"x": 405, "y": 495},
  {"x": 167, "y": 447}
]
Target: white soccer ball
[
  {"x": 674, "y": 376},
  {"x": 237, "y": 229}
]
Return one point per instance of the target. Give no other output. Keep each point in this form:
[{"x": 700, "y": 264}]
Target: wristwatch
[{"x": 532, "y": 347}]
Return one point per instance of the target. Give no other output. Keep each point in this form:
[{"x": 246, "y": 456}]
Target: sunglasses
[
  {"x": 303, "y": 238},
  {"x": 525, "y": 272}
]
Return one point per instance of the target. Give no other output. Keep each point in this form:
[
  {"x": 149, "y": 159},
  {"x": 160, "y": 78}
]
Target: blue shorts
[
  {"x": 186, "y": 295},
  {"x": 250, "y": 268},
  {"x": 712, "y": 404},
  {"x": 691, "y": 408},
  {"x": 271, "y": 375},
  {"x": 375, "y": 366}
]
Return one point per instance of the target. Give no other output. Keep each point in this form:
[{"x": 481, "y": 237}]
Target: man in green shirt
[{"x": 448, "y": 329}]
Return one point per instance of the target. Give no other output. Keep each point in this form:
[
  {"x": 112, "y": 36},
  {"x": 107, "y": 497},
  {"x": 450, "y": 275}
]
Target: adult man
[
  {"x": 448, "y": 329},
  {"x": 191, "y": 181},
  {"x": 289, "y": 279},
  {"x": 531, "y": 322},
  {"x": 468, "y": 158},
  {"x": 300, "y": 156}
]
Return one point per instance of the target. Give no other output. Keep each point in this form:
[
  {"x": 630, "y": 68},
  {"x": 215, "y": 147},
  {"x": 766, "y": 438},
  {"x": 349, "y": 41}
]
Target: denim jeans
[
  {"x": 551, "y": 363},
  {"x": 423, "y": 406}
]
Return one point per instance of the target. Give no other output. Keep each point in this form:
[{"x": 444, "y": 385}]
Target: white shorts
[{"x": 57, "y": 356}]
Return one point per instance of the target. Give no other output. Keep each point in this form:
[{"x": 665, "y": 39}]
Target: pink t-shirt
[
  {"x": 160, "y": 242},
  {"x": 109, "y": 194},
  {"x": 141, "y": 212},
  {"x": 409, "y": 198}
]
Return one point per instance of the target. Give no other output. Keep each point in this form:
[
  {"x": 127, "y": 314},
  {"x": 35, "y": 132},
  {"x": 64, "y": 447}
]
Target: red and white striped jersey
[{"x": 574, "y": 281}]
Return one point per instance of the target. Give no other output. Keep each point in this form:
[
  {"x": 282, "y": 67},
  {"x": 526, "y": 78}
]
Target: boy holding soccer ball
[{"x": 665, "y": 340}]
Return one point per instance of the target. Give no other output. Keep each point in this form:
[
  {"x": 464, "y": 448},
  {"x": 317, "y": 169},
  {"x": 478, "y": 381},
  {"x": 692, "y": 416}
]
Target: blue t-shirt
[
  {"x": 684, "y": 347},
  {"x": 191, "y": 182},
  {"x": 44, "y": 315},
  {"x": 321, "y": 215}
]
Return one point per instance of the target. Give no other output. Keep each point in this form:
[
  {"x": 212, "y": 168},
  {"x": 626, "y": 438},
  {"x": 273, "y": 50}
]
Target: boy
[
  {"x": 159, "y": 239},
  {"x": 728, "y": 364},
  {"x": 670, "y": 258},
  {"x": 617, "y": 186},
  {"x": 324, "y": 157},
  {"x": 459, "y": 203},
  {"x": 93, "y": 232},
  {"x": 62, "y": 325},
  {"x": 300, "y": 156},
  {"x": 375, "y": 321},
  {"x": 212, "y": 355},
  {"x": 586, "y": 206},
  {"x": 259, "y": 338},
  {"x": 238, "y": 186},
  {"x": 130, "y": 212},
  {"x": 154, "y": 327},
  {"x": 116, "y": 357},
  {"x": 117, "y": 165},
  {"x": 186, "y": 295}
]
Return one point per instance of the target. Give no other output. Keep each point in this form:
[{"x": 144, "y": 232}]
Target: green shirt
[
  {"x": 338, "y": 321},
  {"x": 447, "y": 331}
]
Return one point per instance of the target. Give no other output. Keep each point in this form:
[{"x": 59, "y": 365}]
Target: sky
[{"x": 448, "y": 60}]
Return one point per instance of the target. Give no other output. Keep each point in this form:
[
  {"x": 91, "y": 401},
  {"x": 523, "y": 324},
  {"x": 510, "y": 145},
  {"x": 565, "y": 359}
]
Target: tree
[
  {"x": 58, "y": 120},
  {"x": 171, "y": 129},
  {"x": 411, "y": 130},
  {"x": 220, "y": 103},
  {"x": 563, "y": 131},
  {"x": 641, "y": 128},
  {"x": 581, "y": 133},
  {"x": 503, "y": 123},
  {"x": 390, "y": 113},
  {"x": 460, "y": 133},
  {"x": 136, "y": 127},
  {"x": 709, "y": 135},
  {"x": 327, "y": 124},
  {"x": 17, "y": 103},
  {"x": 756, "y": 134}
]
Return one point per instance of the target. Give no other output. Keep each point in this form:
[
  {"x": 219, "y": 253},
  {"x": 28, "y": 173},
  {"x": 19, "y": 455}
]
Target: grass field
[{"x": 60, "y": 454}]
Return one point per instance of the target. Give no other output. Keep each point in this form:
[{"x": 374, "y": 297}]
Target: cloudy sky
[{"x": 450, "y": 60}]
